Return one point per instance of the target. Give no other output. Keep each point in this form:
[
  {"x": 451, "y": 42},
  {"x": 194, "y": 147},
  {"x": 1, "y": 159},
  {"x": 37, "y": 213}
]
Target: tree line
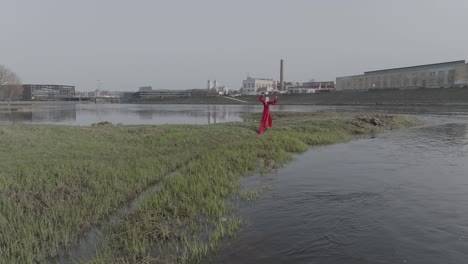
[{"x": 10, "y": 84}]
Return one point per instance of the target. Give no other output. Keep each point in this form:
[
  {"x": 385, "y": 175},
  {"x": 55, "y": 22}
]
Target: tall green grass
[{"x": 58, "y": 181}]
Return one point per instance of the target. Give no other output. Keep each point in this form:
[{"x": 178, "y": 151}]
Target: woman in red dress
[{"x": 266, "y": 116}]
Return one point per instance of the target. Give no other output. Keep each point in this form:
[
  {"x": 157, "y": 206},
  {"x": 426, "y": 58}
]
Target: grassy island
[{"x": 59, "y": 182}]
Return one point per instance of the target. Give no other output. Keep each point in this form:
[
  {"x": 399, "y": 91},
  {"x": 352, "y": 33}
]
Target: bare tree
[{"x": 10, "y": 84}]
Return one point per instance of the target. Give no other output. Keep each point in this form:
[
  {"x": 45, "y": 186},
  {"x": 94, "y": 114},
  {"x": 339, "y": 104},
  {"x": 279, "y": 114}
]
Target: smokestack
[{"x": 281, "y": 77}]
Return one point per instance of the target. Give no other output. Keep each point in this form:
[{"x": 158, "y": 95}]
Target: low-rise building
[
  {"x": 438, "y": 75},
  {"x": 145, "y": 88},
  {"x": 222, "y": 90},
  {"x": 251, "y": 86},
  {"x": 126, "y": 95},
  {"x": 288, "y": 85},
  {"x": 300, "y": 90},
  {"x": 47, "y": 91},
  {"x": 319, "y": 85},
  {"x": 312, "y": 87}
]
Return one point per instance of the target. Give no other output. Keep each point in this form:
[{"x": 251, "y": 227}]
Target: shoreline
[
  {"x": 189, "y": 216},
  {"x": 324, "y": 104},
  {"x": 386, "y": 97}
]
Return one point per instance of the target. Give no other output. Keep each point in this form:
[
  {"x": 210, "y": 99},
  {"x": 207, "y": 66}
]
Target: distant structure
[
  {"x": 254, "y": 86},
  {"x": 214, "y": 88},
  {"x": 312, "y": 87},
  {"x": 126, "y": 94},
  {"x": 47, "y": 91},
  {"x": 212, "y": 84},
  {"x": 281, "y": 88},
  {"x": 222, "y": 90},
  {"x": 438, "y": 75},
  {"x": 145, "y": 88},
  {"x": 158, "y": 94}
]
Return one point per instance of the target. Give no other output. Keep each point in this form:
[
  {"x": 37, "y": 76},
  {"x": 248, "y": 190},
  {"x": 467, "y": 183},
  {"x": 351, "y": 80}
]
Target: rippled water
[{"x": 400, "y": 197}]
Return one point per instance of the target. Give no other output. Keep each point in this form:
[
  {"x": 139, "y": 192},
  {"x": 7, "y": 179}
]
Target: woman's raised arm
[{"x": 274, "y": 101}]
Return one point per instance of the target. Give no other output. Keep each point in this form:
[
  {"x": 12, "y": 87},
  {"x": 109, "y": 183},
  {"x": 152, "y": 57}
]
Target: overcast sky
[{"x": 181, "y": 44}]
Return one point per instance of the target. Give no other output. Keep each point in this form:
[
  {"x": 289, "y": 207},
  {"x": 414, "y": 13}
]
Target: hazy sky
[{"x": 181, "y": 44}]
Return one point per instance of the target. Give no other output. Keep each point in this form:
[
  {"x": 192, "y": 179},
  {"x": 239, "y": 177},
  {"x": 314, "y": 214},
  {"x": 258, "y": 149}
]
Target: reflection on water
[
  {"x": 42, "y": 114},
  {"x": 212, "y": 113},
  {"x": 86, "y": 114}
]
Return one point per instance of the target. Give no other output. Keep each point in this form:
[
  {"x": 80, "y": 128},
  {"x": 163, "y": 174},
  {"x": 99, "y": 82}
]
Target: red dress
[{"x": 266, "y": 116}]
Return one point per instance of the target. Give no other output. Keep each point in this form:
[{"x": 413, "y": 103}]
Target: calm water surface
[
  {"x": 86, "y": 114},
  {"x": 134, "y": 114}
]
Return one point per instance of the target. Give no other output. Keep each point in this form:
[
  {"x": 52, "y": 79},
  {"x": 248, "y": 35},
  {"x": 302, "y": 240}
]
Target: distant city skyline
[{"x": 182, "y": 44}]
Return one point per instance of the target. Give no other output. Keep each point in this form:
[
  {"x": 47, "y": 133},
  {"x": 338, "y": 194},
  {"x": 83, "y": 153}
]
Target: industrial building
[
  {"x": 311, "y": 87},
  {"x": 213, "y": 88},
  {"x": 253, "y": 86},
  {"x": 145, "y": 88},
  {"x": 47, "y": 91},
  {"x": 212, "y": 84},
  {"x": 126, "y": 95},
  {"x": 438, "y": 75}
]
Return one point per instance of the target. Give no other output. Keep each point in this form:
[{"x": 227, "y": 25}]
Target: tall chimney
[{"x": 281, "y": 77}]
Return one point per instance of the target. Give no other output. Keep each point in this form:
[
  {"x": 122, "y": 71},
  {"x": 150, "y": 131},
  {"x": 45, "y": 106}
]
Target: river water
[
  {"x": 67, "y": 113},
  {"x": 132, "y": 114},
  {"x": 397, "y": 197}
]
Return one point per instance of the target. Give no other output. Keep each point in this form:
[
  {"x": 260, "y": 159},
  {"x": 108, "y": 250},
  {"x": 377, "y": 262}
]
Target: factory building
[
  {"x": 439, "y": 75},
  {"x": 145, "y": 88},
  {"x": 311, "y": 87},
  {"x": 212, "y": 84},
  {"x": 47, "y": 91},
  {"x": 254, "y": 86},
  {"x": 214, "y": 89}
]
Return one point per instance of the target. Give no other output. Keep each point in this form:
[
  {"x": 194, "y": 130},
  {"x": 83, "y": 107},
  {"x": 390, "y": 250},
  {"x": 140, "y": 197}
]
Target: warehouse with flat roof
[{"x": 438, "y": 75}]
